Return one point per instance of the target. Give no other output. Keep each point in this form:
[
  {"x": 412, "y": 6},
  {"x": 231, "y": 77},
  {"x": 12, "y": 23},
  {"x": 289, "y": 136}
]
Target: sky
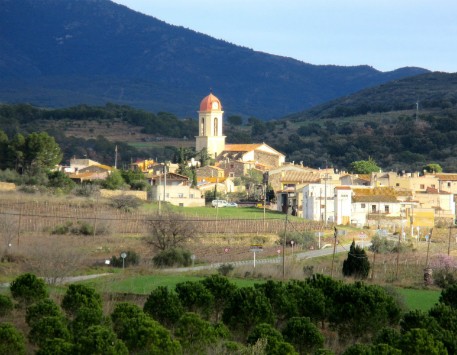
[{"x": 385, "y": 34}]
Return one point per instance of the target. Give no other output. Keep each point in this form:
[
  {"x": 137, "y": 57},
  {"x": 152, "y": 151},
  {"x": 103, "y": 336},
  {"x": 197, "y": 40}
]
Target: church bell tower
[{"x": 210, "y": 127}]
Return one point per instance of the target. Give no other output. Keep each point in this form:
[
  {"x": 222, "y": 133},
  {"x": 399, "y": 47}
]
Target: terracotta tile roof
[
  {"x": 343, "y": 188},
  {"x": 377, "y": 191},
  {"x": 366, "y": 177},
  {"x": 241, "y": 147},
  {"x": 374, "y": 198},
  {"x": 211, "y": 179},
  {"x": 299, "y": 176},
  {"x": 447, "y": 177}
]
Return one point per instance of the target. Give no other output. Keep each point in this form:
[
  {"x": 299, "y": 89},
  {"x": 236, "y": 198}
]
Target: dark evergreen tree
[{"x": 357, "y": 263}]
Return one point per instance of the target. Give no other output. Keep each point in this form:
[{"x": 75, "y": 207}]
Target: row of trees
[{"x": 215, "y": 316}]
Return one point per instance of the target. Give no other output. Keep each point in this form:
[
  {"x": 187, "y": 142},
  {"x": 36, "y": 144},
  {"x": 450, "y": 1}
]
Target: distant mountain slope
[
  {"x": 428, "y": 91},
  {"x": 64, "y": 52}
]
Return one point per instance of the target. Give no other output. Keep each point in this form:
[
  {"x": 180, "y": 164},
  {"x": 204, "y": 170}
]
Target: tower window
[
  {"x": 202, "y": 129},
  {"x": 215, "y": 126}
]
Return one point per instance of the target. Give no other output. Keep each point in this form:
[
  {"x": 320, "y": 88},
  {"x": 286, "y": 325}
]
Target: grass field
[
  {"x": 422, "y": 300},
  {"x": 415, "y": 299}
]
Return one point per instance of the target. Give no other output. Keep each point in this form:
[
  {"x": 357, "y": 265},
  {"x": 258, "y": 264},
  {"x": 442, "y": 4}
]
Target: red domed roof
[{"x": 210, "y": 103}]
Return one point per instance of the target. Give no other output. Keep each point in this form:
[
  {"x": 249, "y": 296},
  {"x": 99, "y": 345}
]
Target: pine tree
[{"x": 357, "y": 263}]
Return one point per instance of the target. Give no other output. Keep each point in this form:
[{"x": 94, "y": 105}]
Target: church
[{"x": 211, "y": 137}]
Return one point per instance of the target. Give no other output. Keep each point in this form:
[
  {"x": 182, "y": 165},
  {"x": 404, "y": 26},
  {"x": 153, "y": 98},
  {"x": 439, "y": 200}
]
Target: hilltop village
[{"x": 410, "y": 202}]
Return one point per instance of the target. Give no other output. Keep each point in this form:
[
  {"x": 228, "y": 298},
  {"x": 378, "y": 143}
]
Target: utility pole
[
  {"x": 334, "y": 249},
  {"x": 428, "y": 246},
  {"x": 164, "y": 181},
  {"x": 284, "y": 244},
  {"x": 115, "y": 157}
]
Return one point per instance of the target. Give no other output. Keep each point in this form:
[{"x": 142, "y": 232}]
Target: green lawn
[
  {"x": 419, "y": 299},
  {"x": 225, "y": 212}
]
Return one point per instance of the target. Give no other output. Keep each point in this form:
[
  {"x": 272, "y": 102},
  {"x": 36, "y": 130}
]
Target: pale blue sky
[{"x": 385, "y": 34}]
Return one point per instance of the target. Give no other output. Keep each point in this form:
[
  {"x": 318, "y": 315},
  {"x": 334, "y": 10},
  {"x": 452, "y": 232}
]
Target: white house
[{"x": 318, "y": 202}]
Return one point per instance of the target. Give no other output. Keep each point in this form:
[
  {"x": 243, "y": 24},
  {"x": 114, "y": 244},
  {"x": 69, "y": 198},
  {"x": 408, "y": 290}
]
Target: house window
[
  {"x": 231, "y": 174},
  {"x": 363, "y": 205},
  {"x": 422, "y": 186},
  {"x": 180, "y": 195},
  {"x": 448, "y": 184},
  {"x": 386, "y": 208},
  {"x": 232, "y": 166},
  {"x": 373, "y": 208},
  {"x": 433, "y": 185},
  {"x": 397, "y": 184},
  {"x": 191, "y": 195}
]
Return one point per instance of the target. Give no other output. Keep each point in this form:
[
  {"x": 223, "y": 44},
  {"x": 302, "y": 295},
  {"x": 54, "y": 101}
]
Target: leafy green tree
[
  {"x": 27, "y": 289},
  {"x": 388, "y": 335},
  {"x": 56, "y": 346},
  {"x": 48, "y": 327},
  {"x": 432, "y": 168},
  {"x": 164, "y": 306},
  {"x": 357, "y": 263},
  {"x": 449, "y": 296},
  {"x": 283, "y": 303},
  {"x": 11, "y": 340},
  {"x": 78, "y": 296},
  {"x": 100, "y": 340},
  {"x": 41, "y": 152},
  {"x": 195, "y": 297},
  {"x": 221, "y": 289},
  {"x": 420, "y": 341},
  {"x": 275, "y": 341},
  {"x": 310, "y": 302},
  {"x": 140, "y": 333},
  {"x": 303, "y": 334},
  {"x": 6, "y": 305},
  {"x": 114, "y": 181},
  {"x": 43, "y": 308},
  {"x": 59, "y": 180},
  {"x": 361, "y": 311},
  {"x": 135, "y": 178},
  {"x": 247, "y": 308},
  {"x": 84, "y": 318},
  {"x": 195, "y": 334},
  {"x": 364, "y": 167}
]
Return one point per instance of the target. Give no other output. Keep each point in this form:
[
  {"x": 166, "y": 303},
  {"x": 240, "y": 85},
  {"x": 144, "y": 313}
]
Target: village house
[{"x": 175, "y": 189}]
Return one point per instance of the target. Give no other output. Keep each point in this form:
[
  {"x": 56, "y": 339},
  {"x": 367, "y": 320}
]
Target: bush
[
  {"x": 306, "y": 240},
  {"x": 125, "y": 202},
  {"x": 61, "y": 229},
  {"x": 86, "y": 190},
  {"x": 173, "y": 257},
  {"x": 132, "y": 258},
  {"x": 28, "y": 289},
  {"x": 225, "y": 269},
  {"x": 6, "y": 305},
  {"x": 81, "y": 228}
]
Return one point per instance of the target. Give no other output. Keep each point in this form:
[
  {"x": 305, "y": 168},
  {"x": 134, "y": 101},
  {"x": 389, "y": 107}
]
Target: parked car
[
  {"x": 231, "y": 204},
  {"x": 219, "y": 203}
]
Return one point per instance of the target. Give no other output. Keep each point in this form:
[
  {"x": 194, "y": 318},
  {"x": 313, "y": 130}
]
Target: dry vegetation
[{"x": 27, "y": 244}]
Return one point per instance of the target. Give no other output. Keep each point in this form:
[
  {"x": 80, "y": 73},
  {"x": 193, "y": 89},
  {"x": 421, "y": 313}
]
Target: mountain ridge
[{"x": 96, "y": 51}]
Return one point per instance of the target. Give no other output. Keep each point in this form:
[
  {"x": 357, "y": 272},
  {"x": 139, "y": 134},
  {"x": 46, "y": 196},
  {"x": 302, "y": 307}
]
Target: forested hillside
[{"x": 57, "y": 53}]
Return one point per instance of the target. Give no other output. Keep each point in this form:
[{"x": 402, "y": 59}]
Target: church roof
[
  {"x": 207, "y": 103},
  {"x": 241, "y": 147}
]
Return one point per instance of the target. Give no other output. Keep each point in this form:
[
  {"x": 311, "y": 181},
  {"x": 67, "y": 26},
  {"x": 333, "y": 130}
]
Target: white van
[{"x": 219, "y": 203}]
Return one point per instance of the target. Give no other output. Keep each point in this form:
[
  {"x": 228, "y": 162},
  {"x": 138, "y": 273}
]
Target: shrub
[
  {"x": 125, "y": 202},
  {"x": 86, "y": 190},
  {"x": 11, "y": 340},
  {"x": 306, "y": 240},
  {"x": 173, "y": 257},
  {"x": 6, "y": 305},
  {"x": 28, "y": 289},
  {"x": 132, "y": 258},
  {"x": 225, "y": 269},
  {"x": 83, "y": 228},
  {"x": 62, "y": 228}
]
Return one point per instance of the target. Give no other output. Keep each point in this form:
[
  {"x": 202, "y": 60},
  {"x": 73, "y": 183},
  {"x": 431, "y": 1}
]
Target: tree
[
  {"x": 27, "y": 289},
  {"x": 449, "y": 296},
  {"x": 195, "y": 297},
  {"x": 195, "y": 334},
  {"x": 164, "y": 306},
  {"x": 140, "y": 333},
  {"x": 99, "y": 339},
  {"x": 41, "y": 152},
  {"x": 56, "y": 346},
  {"x": 357, "y": 263},
  {"x": 420, "y": 341},
  {"x": 247, "y": 308},
  {"x": 114, "y": 181},
  {"x": 78, "y": 296},
  {"x": 49, "y": 327},
  {"x": 43, "y": 308},
  {"x": 432, "y": 168},
  {"x": 221, "y": 289},
  {"x": 360, "y": 311},
  {"x": 169, "y": 230},
  {"x": 303, "y": 334},
  {"x": 6, "y": 305},
  {"x": 275, "y": 341},
  {"x": 235, "y": 120},
  {"x": 11, "y": 340},
  {"x": 364, "y": 167},
  {"x": 59, "y": 180}
]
